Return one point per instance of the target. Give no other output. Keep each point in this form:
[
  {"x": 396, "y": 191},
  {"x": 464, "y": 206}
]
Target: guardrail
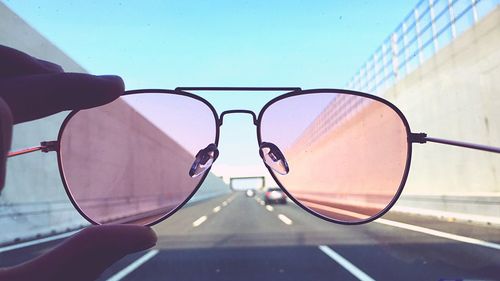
[{"x": 430, "y": 26}]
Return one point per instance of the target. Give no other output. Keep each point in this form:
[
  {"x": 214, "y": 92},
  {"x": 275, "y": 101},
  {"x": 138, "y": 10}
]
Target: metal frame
[
  {"x": 354, "y": 93},
  {"x": 132, "y": 92},
  {"x": 257, "y": 119}
]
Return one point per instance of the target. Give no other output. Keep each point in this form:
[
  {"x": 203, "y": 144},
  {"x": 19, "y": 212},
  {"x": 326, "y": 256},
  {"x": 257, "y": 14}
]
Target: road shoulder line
[
  {"x": 133, "y": 266},
  {"x": 438, "y": 233},
  {"x": 347, "y": 265}
]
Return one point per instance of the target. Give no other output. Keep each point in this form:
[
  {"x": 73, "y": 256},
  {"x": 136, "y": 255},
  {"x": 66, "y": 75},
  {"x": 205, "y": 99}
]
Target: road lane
[
  {"x": 244, "y": 240},
  {"x": 383, "y": 252},
  {"x": 240, "y": 242},
  {"x": 388, "y": 253}
]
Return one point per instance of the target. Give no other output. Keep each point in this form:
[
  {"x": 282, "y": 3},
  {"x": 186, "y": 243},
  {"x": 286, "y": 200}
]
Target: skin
[{"x": 31, "y": 89}]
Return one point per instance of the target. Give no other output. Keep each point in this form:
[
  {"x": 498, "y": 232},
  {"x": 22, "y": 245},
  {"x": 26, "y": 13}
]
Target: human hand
[{"x": 31, "y": 89}]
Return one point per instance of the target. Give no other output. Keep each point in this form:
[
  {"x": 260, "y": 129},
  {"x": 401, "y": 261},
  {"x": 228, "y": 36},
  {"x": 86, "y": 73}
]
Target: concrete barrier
[
  {"x": 342, "y": 155},
  {"x": 355, "y": 157},
  {"x": 455, "y": 95},
  {"x": 34, "y": 203}
]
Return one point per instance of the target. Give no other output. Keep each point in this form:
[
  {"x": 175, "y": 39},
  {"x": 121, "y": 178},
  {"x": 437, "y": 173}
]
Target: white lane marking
[
  {"x": 232, "y": 197},
  {"x": 262, "y": 203},
  {"x": 285, "y": 219},
  {"x": 337, "y": 210},
  {"x": 199, "y": 221},
  {"x": 415, "y": 228},
  {"x": 36, "y": 242},
  {"x": 446, "y": 214},
  {"x": 441, "y": 234},
  {"x": 133, "y": 266},
  {"x": 224, "y": 203},
  {"x": 269, "y": 208},
  {"x": 358, "y": 273},
  {"x": 216, "y": 209}
]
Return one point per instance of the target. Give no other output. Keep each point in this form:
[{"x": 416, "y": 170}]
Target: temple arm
[
  {"x": 45, "y": 146},
  {"x": 423, "y": 138}
]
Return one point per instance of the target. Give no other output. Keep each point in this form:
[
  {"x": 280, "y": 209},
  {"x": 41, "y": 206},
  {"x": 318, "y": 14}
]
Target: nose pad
[
  {"x": 273, "y": 158},
  {"x": 203, "y": 160}
]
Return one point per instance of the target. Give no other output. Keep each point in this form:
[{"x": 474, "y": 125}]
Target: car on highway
[
  {"x": 250, "y": 193},
  {"x": 274, "y": 195}
]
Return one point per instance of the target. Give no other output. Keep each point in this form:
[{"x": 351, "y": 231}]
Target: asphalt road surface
[{"x": 235, "y": 237}]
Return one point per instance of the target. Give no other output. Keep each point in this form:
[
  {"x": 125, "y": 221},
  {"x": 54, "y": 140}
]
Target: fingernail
[
  {"x": 154, "y": 236},
  {"x": 111, "y": 77},
  {"x": 115, "y": 79}
]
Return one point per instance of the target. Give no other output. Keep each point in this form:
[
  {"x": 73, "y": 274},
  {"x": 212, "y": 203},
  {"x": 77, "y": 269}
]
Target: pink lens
[
  {"x": 346, "y": 154},
  {"x": 129, "y": 161}
]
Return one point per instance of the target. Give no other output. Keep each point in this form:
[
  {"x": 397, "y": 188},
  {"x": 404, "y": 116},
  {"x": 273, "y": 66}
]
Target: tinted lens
[
  {"x": 130, "y": 161},
  {"x": 346, "y": 154}
]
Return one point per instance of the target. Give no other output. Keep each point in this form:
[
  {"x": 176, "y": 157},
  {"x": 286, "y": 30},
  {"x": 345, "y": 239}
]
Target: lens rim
[
  {"x": 344, "y": 92},
  {"x": 126, "y": 93}
]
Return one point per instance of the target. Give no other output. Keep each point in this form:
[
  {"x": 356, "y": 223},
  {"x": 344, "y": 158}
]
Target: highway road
[{"x": 234, "y": 237}]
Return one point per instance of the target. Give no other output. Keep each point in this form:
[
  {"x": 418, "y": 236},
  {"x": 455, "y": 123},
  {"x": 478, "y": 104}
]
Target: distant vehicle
[
  {"x": 274, "y": 195},
  {"x": 250, "y": 193}
]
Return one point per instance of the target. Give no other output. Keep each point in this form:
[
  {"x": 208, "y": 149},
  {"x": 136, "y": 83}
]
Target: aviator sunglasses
[{"x": 341, "y": 155}]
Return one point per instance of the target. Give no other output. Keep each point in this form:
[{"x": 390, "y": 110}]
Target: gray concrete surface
[{"x": 456, "y": 95}]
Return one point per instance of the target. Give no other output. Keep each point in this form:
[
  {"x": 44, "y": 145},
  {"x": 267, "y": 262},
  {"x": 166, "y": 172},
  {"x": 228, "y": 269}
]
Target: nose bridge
[{"x": 238, "y": 111}]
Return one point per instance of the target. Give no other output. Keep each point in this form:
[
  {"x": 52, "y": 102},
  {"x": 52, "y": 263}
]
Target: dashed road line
[
  {"x": 224, "y": 203},
  {"x": 133, "y": 266},
  {"x": 269, "y": 208},
  {"x": 285, "y": 219},
  {"x": 354, "y": 270},
  {"x": 216, "y": 209},
  {"x": 199, "y": 221}
]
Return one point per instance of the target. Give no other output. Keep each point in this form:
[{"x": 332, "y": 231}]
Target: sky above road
[{"x": 165, "y": 44}]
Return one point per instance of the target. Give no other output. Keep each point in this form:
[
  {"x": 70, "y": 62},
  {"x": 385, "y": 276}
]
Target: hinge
[
  {"x": 47, "y": 146},
  {"x": 418, "y": 137}
]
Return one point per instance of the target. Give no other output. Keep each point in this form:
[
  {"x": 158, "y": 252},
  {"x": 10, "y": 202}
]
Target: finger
[
  {"x": 49, "y": 66},
  {"x": 87, "y": 254},
  {"x": 5, "y": 139},
  {"x": 36, "y": 96},
  {"x": 15, "y": 63}
]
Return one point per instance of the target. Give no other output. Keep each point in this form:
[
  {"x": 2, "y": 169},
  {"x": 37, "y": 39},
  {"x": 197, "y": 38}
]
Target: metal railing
[{"x": 430, "y": 26}]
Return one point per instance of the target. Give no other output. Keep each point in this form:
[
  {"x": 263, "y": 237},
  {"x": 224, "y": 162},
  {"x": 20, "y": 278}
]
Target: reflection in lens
[
  {"x": 129, "y": 161},
  {"x": 346, "y": 154}
]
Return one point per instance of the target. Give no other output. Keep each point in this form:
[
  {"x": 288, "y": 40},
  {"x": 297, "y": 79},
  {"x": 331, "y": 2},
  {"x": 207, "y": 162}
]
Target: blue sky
[
  {"x": 174, "y": 43},
  {"x": 165, "y": 44}
]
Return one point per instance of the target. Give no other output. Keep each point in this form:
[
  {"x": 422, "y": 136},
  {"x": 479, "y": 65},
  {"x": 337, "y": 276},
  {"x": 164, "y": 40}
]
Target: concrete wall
[
  {"x": 346, "y": 155},
  {"x": 351, "y": 154},
  {"x": 456, "y": 95},
  {"x": 33, "y": 202},
  {"x": 121, "y": 167}
]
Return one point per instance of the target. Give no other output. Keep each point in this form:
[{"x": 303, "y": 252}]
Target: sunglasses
[{"x": 341, "y": 155}]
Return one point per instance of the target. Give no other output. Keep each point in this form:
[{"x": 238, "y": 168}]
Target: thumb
[{"x": 85, "y": 255}]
